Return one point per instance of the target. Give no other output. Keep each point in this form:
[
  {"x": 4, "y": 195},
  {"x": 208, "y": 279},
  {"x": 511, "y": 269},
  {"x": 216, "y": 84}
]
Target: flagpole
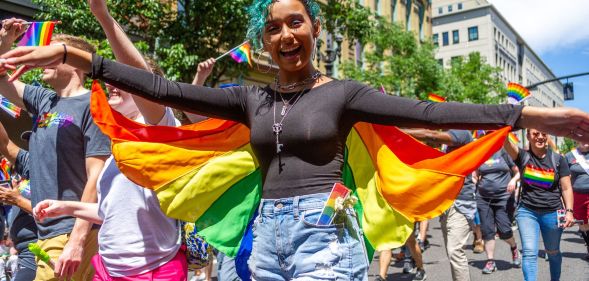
[
  {"x": 228, "y": 52},
  {"x": 31, "y": 22}
]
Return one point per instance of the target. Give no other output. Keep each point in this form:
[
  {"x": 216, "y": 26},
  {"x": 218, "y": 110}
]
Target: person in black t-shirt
[
  {"x": 545, "y": 183},
  {"x": 578, "y": 160}
]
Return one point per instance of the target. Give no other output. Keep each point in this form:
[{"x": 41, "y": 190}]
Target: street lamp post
[{"x": 331, "y": 53}]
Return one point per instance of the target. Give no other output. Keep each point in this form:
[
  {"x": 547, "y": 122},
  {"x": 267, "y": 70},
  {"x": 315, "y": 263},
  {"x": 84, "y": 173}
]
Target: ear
[{"x": 317, "y": 29}]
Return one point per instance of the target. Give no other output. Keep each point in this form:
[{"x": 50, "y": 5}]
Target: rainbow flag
[
  {"x": 38, "y": 34},
  {"x": 9, "y": 107},
  {"x": 242, "y": 53},
  {"x": 477, "y": 134},
  {"x": 435, "y": 98},
  {"x": 513, "y": 138},
  {"x": 539, "y": 177},
  {"x": 207, "y": 173},
  {"x": 329, "y": 210},
  {"x": 517, "y": 93},
  {"x": 4, "y": 170}
]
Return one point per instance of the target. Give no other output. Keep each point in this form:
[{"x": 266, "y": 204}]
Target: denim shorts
[{"x": 289, "y": 245}]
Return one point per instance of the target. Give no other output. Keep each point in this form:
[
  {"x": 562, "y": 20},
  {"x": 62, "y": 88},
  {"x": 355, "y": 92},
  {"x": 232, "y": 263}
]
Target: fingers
[
  {"x": 59, "y": 268},
  {"x": 22, "y": 70},
  {"x": 39, "y": 212},
  {"x": 12, "y": 56}
]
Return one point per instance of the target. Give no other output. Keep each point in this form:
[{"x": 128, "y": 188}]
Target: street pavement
[{"x": 437, "y": 266}]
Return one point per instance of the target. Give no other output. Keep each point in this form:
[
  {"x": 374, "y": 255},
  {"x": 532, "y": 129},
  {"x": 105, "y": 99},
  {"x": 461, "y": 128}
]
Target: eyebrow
[{"x": 288, "y": 17}]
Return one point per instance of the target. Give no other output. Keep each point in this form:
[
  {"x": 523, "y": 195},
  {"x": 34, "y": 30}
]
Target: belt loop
[{"x": 295, "y": 207}]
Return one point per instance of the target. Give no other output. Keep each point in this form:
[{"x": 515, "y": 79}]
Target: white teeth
[{"x": 290, "y": 50}]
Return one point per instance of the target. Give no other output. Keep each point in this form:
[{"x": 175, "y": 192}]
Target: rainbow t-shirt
[{"x": 535, "y": 176}]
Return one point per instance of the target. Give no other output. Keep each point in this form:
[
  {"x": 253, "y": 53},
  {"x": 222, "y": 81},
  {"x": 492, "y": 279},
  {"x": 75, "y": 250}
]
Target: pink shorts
[{"x": 175, "y": 269}]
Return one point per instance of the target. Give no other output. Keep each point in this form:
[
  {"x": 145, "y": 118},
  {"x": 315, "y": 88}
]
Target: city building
[
  {"x": 24, "y": 9},
  {"x": 464, "y": 26}
]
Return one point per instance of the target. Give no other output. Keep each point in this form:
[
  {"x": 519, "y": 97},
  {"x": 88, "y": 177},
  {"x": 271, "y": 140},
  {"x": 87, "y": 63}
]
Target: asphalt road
[{"x": 437, "y": 266}]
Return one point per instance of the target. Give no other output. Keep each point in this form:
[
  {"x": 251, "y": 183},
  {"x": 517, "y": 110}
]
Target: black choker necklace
[{"x": 292, "y": 86}]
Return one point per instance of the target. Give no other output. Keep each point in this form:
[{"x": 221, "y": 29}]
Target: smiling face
[
  {"x": 121, "y": 101},
  {"x": 537, "y": 139},
  {"x": 289, "y": 35}
]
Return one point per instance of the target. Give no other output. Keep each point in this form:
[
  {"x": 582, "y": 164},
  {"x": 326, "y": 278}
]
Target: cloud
[{"x": 548, "y": 25}]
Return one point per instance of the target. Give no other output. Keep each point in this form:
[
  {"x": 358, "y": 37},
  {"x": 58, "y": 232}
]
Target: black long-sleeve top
[{"x": 314, "y": 130}]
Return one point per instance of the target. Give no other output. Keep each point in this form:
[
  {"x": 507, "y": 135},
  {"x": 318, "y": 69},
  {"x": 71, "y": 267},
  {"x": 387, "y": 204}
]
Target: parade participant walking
[
  {"x": 67, "y": 152},
  {"x": 21, "y": 225},
  {"x": 578, "y": 160},
  {"x": 136, "y": 240},
  {"x": 298, "y": 128},
  {"x": 495, "y": 186},
  {"x": 545, "y": 184}
]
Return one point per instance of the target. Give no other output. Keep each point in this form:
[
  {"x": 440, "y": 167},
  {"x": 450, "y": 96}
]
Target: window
[
  {"x": 435, "y": 40},
  {"x": 459, "y": 6},
  {"x": 445, "y": 41},
  {"x": 440, "y": 10},
  {"x": 441, "y": 62},
  {"x": 473, "y": 33},
  {"x": 449, "y": 8},
  {"x": 455, "y": 60},
  {"x": 455, "y": 37}
]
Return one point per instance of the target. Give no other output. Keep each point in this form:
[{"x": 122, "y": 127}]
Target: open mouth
[{"x": 290, "y": 52}]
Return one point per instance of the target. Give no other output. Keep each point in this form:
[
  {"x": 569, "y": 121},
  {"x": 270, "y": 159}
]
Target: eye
[
  {"x": 271, "y": 28},
  {"x": 296, "y": 23}
]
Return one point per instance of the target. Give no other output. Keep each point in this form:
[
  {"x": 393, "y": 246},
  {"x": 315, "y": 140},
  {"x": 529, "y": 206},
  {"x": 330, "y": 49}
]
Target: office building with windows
[{"x": 464, "y": 26}]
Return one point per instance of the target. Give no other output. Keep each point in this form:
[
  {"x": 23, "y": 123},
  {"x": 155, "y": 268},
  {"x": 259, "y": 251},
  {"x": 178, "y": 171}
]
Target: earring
[
  {"x": 259, "y": 60},
  {"x": 314, "y": 54}
]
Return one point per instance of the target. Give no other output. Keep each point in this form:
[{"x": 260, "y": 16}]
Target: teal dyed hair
[{"x": 258, "y": 12}]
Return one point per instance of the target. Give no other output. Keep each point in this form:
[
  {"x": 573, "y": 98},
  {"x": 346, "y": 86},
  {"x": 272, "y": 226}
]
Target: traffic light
[{"x": 569, "y": 92}]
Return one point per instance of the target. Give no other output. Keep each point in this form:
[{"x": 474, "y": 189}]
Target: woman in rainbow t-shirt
[
  {"x": 546, "y": 183},
  {"x": 578, "y": 160}
]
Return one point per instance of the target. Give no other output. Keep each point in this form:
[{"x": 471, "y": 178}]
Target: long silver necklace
[{"x": 277, "y": 126}]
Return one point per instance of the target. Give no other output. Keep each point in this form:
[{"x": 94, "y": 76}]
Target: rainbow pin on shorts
[{"x": 338, "y": 194}]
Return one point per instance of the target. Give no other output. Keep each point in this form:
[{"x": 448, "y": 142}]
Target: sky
[{"x": 558, "y": 31}]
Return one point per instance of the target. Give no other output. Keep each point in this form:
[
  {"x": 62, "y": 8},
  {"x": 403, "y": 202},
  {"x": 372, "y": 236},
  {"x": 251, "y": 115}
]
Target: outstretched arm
[
  {"x": 203, "y": 71},
  {"x": 125, "y": 52},
  {"x": 228, "y": 103},
  {"x": 12, "y": 90},
  {"x": 54, "y": 208},
  {"x": 430, "y": 136},
  {"x": 511, "y": 148}
]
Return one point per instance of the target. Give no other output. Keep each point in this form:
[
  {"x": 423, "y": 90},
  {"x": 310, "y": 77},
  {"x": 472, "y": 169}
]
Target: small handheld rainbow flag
[
  {"x": 241, "y": 53},
  {"x": 435, "y": 98},
  {"x": 338, "y": 192},
  {"x": 9, "y": 107},
  {"x": 38, "y": 34},
  {"x": 513, "y": 138},
  {"x": 477, "y": 134},
  {"x": 517, "y": 93},
  {"x": 4, "y": 170}
]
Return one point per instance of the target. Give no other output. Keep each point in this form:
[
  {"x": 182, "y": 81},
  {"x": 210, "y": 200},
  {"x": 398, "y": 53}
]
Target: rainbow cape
[
  {"x": 435, "y": 98},
  {"x": 517, "y": 93},
  {"x": 242, "y": 53},
  {"x": 38, "y": 34},
  {"x": 207, "y": 173},
  {"x": 9, "y": 107}
]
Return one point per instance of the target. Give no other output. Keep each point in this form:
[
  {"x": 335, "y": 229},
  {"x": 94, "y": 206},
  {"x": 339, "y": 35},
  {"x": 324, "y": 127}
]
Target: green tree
[
  {"x": 474, "y": 81},
  {"x": 567, "y": 145},
  {"x": 178, "y": 34}
]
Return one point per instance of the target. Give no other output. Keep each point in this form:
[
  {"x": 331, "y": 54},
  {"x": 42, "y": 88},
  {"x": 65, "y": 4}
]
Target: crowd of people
[{"x": 70, "y": 197}]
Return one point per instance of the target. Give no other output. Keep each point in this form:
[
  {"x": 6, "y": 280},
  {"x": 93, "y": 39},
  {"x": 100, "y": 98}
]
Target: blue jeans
[
  {"x": 288, "y": 245},
  {"x": 530, "y": 224}
]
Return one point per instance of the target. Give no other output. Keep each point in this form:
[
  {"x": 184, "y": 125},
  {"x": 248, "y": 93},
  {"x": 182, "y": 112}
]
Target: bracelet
[
  {"x": 64, "y": 53},
  {"x": 569, "y": 210}
]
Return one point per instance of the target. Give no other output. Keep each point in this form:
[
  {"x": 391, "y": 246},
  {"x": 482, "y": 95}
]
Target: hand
[
  {"x": 49, "y": 209},
  {"x": 31, "y": 57},
  {"x": 98, "y": 8},
  {"x": 11, "y": 29},
  {"x": 569, "y": 220},
  {"x": 511, "y": 186},
  {"x": 203, "y": 71},
  {"x": 69, "y": 260},
  {"x": 10, "y": 196},
  {"x": 562, "y": 121}
]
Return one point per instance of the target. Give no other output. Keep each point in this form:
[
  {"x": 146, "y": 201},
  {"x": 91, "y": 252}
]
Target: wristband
[
  {"x": 64, "y": 53},
  {"x": 569, "y": 211}
]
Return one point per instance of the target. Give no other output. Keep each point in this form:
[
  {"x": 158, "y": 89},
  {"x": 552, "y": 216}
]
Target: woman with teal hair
[{"x": 298, "y": 130}]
